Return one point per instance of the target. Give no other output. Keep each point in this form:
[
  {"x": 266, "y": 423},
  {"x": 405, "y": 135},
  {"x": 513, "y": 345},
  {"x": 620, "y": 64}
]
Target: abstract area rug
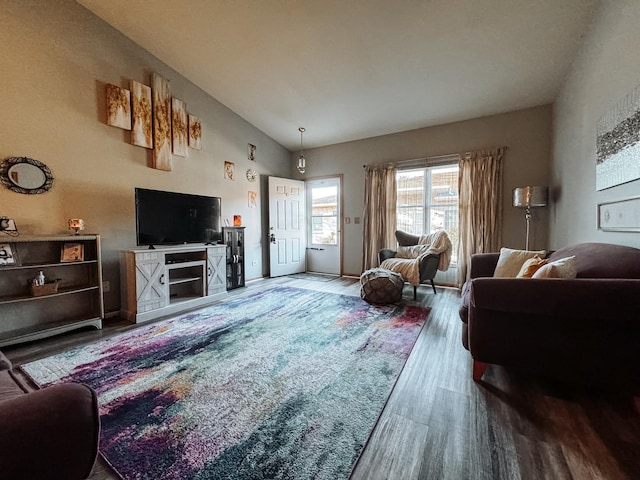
[{"x": 285, "y": 383}]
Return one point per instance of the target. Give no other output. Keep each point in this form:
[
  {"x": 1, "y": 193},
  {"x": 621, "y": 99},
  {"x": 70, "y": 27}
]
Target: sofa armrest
[
  {"x": 483, "y": 264},
  {"x": 385, "y": 254},
  {"x": 50, "y": 433},
  {"x": 574, "y": 300},
  {"x": 583, "y": 329}
]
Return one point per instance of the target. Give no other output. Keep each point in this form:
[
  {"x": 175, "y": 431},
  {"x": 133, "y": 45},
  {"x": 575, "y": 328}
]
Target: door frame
[{"x": 340, "y": 178}]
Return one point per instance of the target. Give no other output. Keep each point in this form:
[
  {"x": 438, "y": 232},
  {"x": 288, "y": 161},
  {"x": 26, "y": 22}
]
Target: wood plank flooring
[{"x": 438, "y": 424}]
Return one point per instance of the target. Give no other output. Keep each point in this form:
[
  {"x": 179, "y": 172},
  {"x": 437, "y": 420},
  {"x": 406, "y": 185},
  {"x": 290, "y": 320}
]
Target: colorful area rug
[{"x": 286, "y": 383}]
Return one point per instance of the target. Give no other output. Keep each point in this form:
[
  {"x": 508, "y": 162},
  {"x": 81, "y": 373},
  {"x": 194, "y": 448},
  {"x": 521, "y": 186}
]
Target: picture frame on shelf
[
  {"x": 8, "y": 255},
  {"x": 72, "y": 252}
]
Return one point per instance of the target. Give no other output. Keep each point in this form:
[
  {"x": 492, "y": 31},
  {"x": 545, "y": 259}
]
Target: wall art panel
[
  {"x": 195, "y": 133},
  {"x": 161, "y": 123},
  {"x": 142, "y": 127},
  {"x": 179, "y": 127},
  {"x": 118, "y": 106},
  {"x": 618, "y": 143}
]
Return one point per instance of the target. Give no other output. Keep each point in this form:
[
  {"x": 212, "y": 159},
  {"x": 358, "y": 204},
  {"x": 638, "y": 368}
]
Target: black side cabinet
[{"x": 233, "y": 237}]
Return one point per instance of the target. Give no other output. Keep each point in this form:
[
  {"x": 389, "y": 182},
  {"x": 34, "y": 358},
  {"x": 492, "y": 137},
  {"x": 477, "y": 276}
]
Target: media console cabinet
[
  {"x": 167, "y": 280},
  {"x": 71, "y": 297}
]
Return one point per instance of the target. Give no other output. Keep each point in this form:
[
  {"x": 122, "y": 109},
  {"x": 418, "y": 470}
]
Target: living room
[
  {"x": 58, "y": 57},
  {"x": 61, "y": 60}
]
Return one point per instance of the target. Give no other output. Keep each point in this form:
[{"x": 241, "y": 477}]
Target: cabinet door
[
  {"x": 152, "y": 290},
  {"x": 238, "y": 243},
  {"x": 216, "y": 269}
]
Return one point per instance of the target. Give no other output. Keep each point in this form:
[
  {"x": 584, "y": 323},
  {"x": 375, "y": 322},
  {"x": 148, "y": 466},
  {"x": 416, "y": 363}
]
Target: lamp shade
[{"x": 524, "y": 197}]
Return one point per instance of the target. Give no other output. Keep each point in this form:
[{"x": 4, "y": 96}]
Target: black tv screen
[{"x": 169, "y": 218}]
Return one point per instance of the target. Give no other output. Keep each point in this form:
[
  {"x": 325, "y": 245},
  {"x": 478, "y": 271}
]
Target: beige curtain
[
  {"x": 480, "y": 205},
  {"x": 379, "y": 223}
]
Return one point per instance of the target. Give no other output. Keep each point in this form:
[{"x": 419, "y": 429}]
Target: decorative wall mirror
[{"x": 25, "y": 175}]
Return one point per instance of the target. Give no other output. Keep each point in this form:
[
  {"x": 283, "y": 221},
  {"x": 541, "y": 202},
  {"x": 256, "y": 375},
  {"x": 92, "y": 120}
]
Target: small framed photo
[
  {"x": 229, "y": 168},
  {"x": 8, "y": 255},
  {"x": 72, "y": 252}
]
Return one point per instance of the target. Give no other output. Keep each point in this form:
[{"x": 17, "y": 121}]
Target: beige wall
[
  {"x": 55, "y": 58},
  {"x": 526, "y": 133},
  {"x": 606, "y": 70}
]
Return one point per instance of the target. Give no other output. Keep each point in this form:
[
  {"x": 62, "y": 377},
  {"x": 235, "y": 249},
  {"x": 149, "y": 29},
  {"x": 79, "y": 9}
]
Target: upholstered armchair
[
  {"x": 427, "y": 262},
  {"x": 49, "y": 433}
]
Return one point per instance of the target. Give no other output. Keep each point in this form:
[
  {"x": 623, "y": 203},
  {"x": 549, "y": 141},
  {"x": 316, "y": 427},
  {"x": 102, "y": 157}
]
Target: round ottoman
[{"x": 381, "y": 286}]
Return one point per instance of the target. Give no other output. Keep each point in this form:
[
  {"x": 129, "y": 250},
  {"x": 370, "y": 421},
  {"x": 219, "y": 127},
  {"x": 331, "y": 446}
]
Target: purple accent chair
[{"x": 46, "y": 434}]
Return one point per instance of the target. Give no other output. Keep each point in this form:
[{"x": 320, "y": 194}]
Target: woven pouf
[{"x": 381, "y": 286}]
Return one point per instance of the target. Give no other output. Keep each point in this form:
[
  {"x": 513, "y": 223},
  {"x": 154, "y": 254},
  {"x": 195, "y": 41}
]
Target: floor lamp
[{"x": 528, "y": 198}]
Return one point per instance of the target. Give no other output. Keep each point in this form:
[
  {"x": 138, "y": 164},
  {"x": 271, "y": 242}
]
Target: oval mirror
[{"x": 25, "y": 175}]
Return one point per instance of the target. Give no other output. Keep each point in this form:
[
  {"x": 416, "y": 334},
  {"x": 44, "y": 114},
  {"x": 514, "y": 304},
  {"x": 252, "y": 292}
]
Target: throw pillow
[
  {"x": 510, "y": 261},
  {"x": 563, "y": 268},
  {"x": 413, "y": 251},
  {"x": 531, "y": 266}
]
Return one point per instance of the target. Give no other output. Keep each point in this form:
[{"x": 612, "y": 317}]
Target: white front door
[
  {"x": 287, "y": 228},
  {"x": 323, "y": 225}
]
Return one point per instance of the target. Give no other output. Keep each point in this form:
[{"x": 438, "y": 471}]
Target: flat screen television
[{"x": 169, "y": 218}]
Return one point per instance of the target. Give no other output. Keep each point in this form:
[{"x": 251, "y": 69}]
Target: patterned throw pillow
[
  {"x": 563, "y": 268},
  {"x": 531, "y": 266},
  {"x": 510, "y": 261}
]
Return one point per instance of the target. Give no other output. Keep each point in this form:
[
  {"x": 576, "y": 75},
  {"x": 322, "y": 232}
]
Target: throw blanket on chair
[{"x": 408, "y": 258}]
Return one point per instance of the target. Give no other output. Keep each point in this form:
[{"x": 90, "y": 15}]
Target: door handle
[{"x": 272, "y": 238}]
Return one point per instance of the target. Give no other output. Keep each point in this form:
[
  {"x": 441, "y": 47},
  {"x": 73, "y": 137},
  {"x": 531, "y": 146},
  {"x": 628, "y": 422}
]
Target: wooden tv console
[{"x": 168, "y": 280}]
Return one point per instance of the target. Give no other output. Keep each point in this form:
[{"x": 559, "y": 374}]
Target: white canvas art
[{"x": 618, "y": 143}]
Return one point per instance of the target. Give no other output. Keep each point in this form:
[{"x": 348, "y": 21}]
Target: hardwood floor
[{"x": 439, "y": 424}]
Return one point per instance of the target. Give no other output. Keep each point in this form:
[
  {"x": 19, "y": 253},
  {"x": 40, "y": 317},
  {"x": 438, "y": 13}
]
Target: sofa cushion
[
  {"x": 5, "y": 363},
  {"x": 463, "y": 311},
  {"x": 510, "y": 261},
  {"x": 10, "y": 387},
  {"x": 563, "y": 268},
  {"x": 531, "y": 266},
  {"x": 602, "y": 260}
]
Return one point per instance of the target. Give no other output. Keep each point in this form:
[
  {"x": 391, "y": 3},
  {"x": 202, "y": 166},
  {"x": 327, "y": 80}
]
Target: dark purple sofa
[
  {"x": 584, "y": 330},
  {"x": 46, "y": 434}
]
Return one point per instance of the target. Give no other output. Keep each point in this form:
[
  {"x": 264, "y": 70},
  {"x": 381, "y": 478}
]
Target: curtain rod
[
  {"x": 427, "y": 161},
  {"x": 433, "y": 160}
]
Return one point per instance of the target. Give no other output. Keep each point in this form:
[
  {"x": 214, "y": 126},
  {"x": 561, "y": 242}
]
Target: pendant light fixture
[{"x": 302, "y": 163}]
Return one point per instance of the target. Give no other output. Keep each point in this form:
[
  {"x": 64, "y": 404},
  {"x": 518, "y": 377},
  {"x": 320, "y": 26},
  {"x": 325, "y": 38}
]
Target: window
[
  {"x": 428, "y": 201},
  {"x": 324, "y": 215}
]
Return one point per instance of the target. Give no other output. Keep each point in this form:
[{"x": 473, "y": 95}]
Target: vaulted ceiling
[{"x": 351, "y": 69}]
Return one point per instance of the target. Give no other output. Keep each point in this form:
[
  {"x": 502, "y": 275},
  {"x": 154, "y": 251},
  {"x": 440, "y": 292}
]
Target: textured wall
[
  {"x": 526, "y": 133},
  {"x": 606, "y": 69},
  {"x": 56, "y": 57}
]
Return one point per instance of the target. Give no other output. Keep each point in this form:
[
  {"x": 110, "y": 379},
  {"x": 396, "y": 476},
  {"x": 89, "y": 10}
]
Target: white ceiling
[{"x": 351, "y": 69}]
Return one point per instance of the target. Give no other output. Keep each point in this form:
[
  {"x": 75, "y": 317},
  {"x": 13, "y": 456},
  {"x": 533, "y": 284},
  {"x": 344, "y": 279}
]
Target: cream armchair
[{"x": 418, "y": 257}]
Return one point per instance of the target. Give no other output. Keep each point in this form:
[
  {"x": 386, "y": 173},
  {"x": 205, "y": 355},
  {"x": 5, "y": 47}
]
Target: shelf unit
[
  {"x": 78, "y": 301},
  {"x": 233, "y": 238},
  {"x": 170, "y": 280}
]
